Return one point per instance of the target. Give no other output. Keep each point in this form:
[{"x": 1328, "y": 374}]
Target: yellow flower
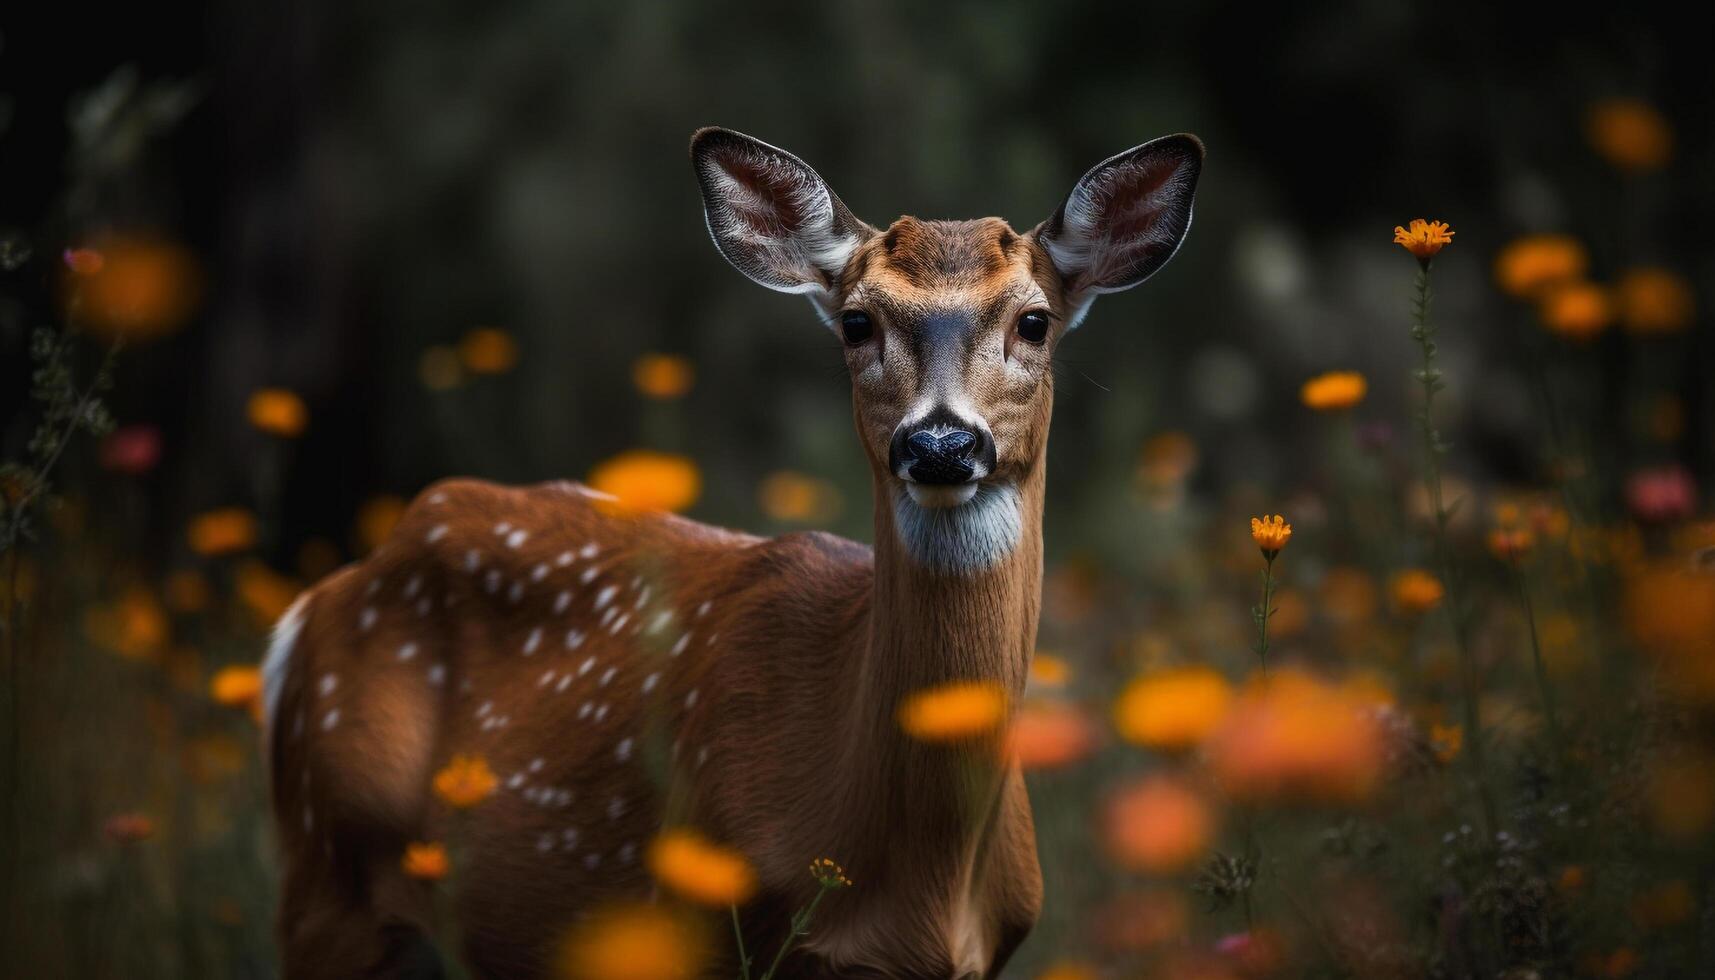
[
  {"x": 645, "y": 480},
  {"x": 700, "y": 870},
  {"x": 1423, "y": 239},
  {"x": 948, "y": 712},
  {"x": 425, "y": 861},
  {"x": 465, "y": 782},
  {"x": 488, "y": 350},
  {"x": 278, "y": 412},
  {"x": 1655, "y": 301},
  {"x": 1334, "y": 391},
  {"x": 634, "y": 942},
  {"x": 1630, "y": 134},
  {"x": 662, "y": 376},
  {"x": 795, "y": 497},
  {"x": 236, "y": 686},
  {"x": 1446, "y": 741},
  {"x": 222, "y": 532},
  {"x": 1173, "y": 709},
  {"x": 828, "y": 874},
  {"x": 1577, "y": 310},
  {"x": 1270, "y": 534},
  {"x": 1529, "y": 264},
  {"x": 1416, "y": 591}
]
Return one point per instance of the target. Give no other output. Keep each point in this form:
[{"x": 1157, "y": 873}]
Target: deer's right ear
[{"x": 772, "y": 216}]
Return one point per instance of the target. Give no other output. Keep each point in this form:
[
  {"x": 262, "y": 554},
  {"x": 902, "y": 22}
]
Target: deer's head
[{"x": 949, "y": 327}]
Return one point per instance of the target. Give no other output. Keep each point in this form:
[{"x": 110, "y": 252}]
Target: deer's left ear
[
  {"x": 1124, "y": 219},
  {"x": 772, "y": 216}
]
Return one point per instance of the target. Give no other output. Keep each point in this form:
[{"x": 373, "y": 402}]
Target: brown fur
[{"x": 746, "y": 687}]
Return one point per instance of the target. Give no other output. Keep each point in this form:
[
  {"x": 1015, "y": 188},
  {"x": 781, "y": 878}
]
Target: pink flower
[
  {"x": 131, "y": 449},
  {"x": 1661, "y": 495}
]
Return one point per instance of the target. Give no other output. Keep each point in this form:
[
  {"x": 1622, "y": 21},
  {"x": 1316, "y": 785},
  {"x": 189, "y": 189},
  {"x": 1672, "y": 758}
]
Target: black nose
[{"x": 937, "y": 455}]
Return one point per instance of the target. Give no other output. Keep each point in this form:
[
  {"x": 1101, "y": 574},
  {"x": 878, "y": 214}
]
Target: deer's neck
[{"x": 957, "y": 595}]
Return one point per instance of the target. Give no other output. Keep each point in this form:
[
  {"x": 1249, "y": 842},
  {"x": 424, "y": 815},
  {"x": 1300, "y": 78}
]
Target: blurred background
[{"x": 348, "y": 249}]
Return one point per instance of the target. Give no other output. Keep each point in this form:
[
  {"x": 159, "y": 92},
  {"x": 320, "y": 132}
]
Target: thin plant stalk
[
  {"x": 743, "y": 957},
  {"x": 1433, "y": 449},
  {"x": 1544, "y": 689},
  {"x": 800, "y": 928},
  {"x": 1265, "y": 611}
]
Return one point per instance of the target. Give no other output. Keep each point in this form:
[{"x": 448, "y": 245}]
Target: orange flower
[
  {"x": 949, "y": 712},
  {"x": 278, "y": 412},
  {"x": 700, "y": 870},
  {"x": 265, "y": 592},
  {"x": 138, "y": 288},
  {"x": 465, "y": 781},
  {"x": 133, "y": 625},
  {"x": 1292, "y": 736},
  {"x": 634, "y": 942},
  {"x": 1334, "y": 391},
  {"x": 1446, "y": 741},
  {"x": 1630, "y": 134},
  {"x": 1069, "y": 971},
  {"x": 1158, "y": 825},
  {"x": 488, "y": 350},
  {"x": 662, "y": 376},
  {"x": 1510, "y": 543},
  {"x": 425, "y": 861},
  {"x": 1529, "y": 264},
  {"x": 376, "y": 520},
  {"x": 1172, "y": 709},
  {"x": 236, "y": 686},
  {"x": 795, "y": 497},
  {"x": 1655, "y": 301},
  {"x": 1416, "y": 591},
  {"x": 1168, "y": 458},
  {"x": 828, "y": 874},
  {"x": 1049, "y": 735},
  {"x": 1424, "y": 239},
  {"x": 128, "y": 828},
  {"x": 1049, "y": 670},
  {"x": 645, "y": 480},
  {"x": 188, "y": 591},
  {"x": 222, "y": 532},
  {"x": 1270, "y": 534},
  {"x": 1577, "y": 310}
]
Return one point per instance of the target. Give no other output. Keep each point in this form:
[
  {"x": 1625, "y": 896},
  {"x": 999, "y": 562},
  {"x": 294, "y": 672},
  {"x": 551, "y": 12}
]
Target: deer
[{"x": 623, "y": 671}]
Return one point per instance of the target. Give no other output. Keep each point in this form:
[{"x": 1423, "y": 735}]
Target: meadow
[{"x": 1394, "y": 703}]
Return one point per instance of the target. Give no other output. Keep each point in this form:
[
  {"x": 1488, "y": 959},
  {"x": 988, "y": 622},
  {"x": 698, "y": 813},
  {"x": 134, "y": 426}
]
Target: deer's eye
[
  {"x": 1033, "y": 327},
  {"x": 856, "y": 327}
]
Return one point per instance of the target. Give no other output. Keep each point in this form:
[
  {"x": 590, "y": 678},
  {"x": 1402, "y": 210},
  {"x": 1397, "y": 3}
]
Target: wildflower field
[{"x": 1378, "y": 624}]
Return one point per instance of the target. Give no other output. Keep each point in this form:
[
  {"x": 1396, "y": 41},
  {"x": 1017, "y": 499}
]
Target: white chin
[{"x": 939, "y": 495}]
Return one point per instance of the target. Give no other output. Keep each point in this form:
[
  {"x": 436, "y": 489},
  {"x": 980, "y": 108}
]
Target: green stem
[
  {"x": 1265, "y": 612},
  {"x": 1433, "y": 449},
  {"x": 1542, "y": 685},
  {"x": 800, "y": 928},
  {"x": 743, "y": 957}
]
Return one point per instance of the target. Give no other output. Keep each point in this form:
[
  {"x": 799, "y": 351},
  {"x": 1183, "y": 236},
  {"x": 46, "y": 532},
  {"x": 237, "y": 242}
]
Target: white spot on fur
[
  {"x": 539, "y": 573},
  {"x": 515, "y": 594},
  {"x": 679, "y": 647},
  {"x": 586, "y": 666},
  {"x": 564, "y": 558},
  {"x": 413, "y": 585},
  {"x": 366, "y": 619},
  {"x": 438, "y": 674},
  {"x": 330, "y": 719},
  {"x": 589, "y": 551},
  {"x": 704, "y": 607},
  {"x": 565, "y": 682},
  {"x": 561, "y": 601},
  {"x": 691, "y": 699},
  {"x": 574, "y": 639},
  {"x": 472, "y": 560},
  {"x": 650, "y": 682},
  {"x": 517, "y": 538},
  {"x": 407, "y": 651},
  {"x": 436, "y": 533},
  {"x": 619, "y": 623},
  {"x": 326, "y": 684},
  {"x": 622, "y": 751},
  {"x": 607, "y": 676},
  {"x": 589, "y": 574},
  {"x": 491, "y": 581},
  {"x": 532, "y": 641},
  {"x": 605, "y": 596}
]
